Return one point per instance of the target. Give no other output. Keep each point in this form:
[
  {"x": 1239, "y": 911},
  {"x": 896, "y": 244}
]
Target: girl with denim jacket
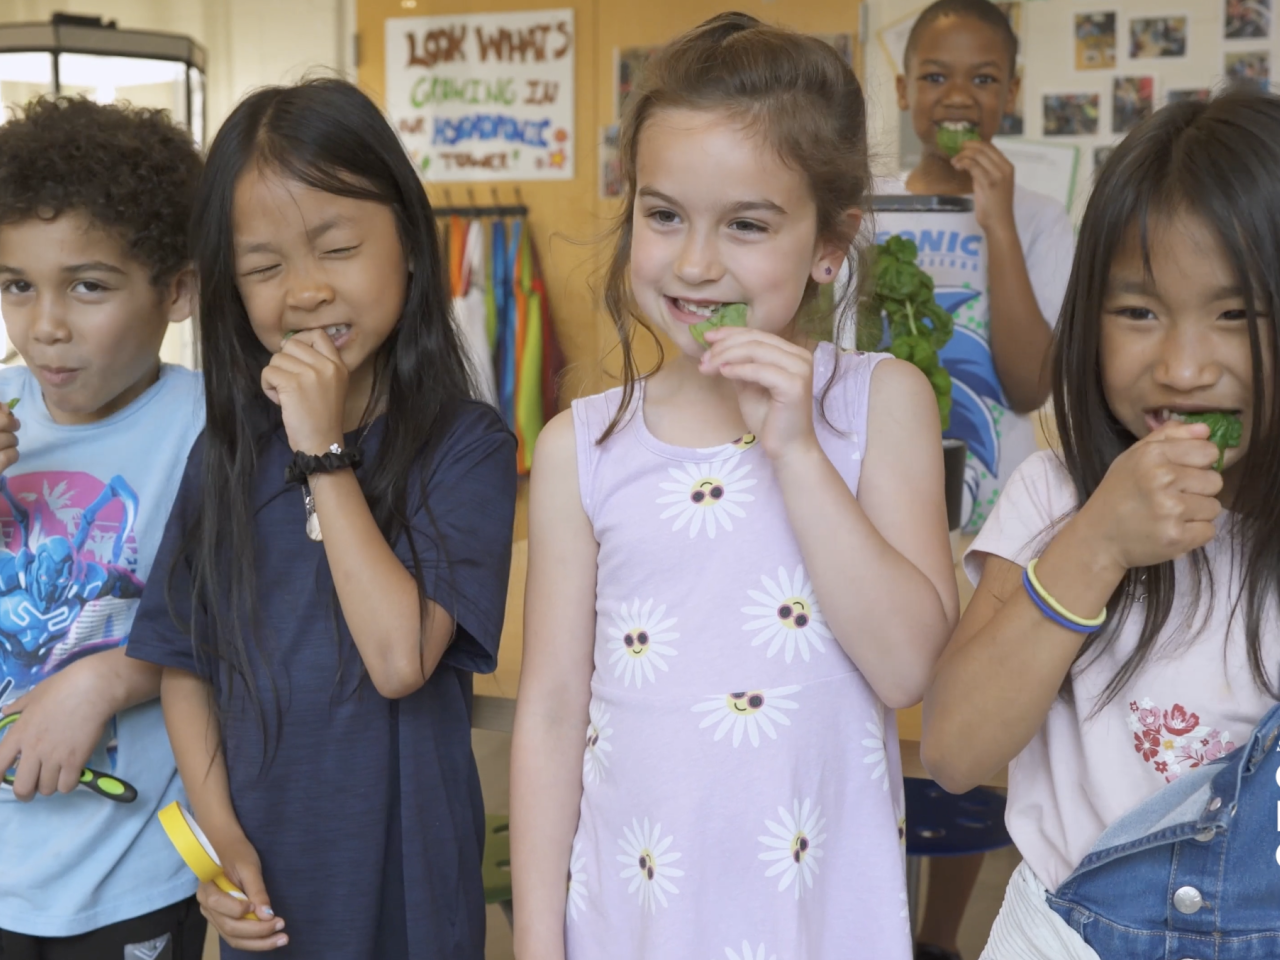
[{"x": 1122, "y": 651}]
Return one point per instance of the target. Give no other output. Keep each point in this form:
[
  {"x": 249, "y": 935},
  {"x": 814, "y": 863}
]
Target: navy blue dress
[{"x": 366, "y": 812}]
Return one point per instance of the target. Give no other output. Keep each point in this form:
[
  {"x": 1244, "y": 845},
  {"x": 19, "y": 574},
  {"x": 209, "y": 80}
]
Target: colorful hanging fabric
[
  {"x": 442, "y": 230},
  {"x": 503, "y": 316},
  {"x": 501, "y": 287},
  {"x": 469, "y": 311},
  {"x": 501, "y": 295},
  {"x": 457, "y": 249},
  {"x": 528, "y": 403},
  {"x": 490, "y": 301},
  {"x": 521, "y": 298},
  {"x": 552, "y": 356},
  {"x": 507, "y": 322}
]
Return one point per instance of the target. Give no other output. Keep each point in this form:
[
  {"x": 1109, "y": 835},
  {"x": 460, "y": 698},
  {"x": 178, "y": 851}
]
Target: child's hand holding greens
[
  {"x": 1225, "y": 429},
  {"x": 727, "y": 315}
]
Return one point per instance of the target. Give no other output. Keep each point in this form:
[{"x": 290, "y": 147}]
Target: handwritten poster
[{"x": 484, "y": 96}]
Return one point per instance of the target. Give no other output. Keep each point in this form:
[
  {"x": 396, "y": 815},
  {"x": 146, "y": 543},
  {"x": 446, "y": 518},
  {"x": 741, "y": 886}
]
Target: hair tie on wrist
[
  {"x": 335, "y": 458},
  {"x": 1055, "y": 611}
]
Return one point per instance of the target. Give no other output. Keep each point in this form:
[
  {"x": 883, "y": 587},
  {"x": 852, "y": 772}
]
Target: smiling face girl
[
  {"x": 1171, "y": 310},
  {"x": 743, "y": 184},
  {"x": 719, "y": 219}
]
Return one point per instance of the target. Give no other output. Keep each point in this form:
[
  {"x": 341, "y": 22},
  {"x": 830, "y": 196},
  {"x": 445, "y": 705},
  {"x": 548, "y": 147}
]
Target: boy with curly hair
[{"x": 94, "y": 207}]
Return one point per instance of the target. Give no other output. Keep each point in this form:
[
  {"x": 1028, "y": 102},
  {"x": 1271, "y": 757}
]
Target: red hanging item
[{"x": 553, "y": 361}]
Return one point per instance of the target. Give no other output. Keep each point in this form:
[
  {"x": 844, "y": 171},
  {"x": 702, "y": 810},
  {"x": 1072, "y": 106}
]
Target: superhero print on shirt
[{"x": 68, "y": 580}]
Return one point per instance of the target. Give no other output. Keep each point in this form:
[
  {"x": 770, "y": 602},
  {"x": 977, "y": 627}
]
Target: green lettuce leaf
[
  {"x": 1225, "y": 430},
  {"x": 728, "y": 315},
  {"x": 950, "y": 141}
]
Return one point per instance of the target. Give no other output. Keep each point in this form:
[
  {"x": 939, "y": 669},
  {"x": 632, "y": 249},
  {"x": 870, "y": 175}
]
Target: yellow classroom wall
[{"x": 570, "y": 220}]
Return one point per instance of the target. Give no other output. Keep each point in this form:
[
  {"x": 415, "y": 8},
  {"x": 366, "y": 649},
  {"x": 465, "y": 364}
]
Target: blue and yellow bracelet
[{"x": 1055, "y": 611}]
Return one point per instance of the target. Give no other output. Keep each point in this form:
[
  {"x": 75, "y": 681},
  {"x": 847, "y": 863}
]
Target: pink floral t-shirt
[{"x": 1193, "y": 700}]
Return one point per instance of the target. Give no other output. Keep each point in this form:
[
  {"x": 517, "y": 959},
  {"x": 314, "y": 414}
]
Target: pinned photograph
[
  {"x": 1100, "y": 157},
  {"x": 1133, "y": 100},
  {"x": 1247, "y": 20},
  {"x": 1152, "y": 37},
  {"x": 1095, "y": 41},
  {"x": 610, "y": 163},
  {"x": 1201, "y": 95},
  {"x": 1011, "y": 124},
  {"x": 631, "y": 61},
  {"x": 1071, "y": 114},
  {"x": 1248, "y": 68}
]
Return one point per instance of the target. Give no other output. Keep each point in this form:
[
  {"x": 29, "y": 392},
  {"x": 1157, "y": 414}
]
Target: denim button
[
  {"x": 1204, "y": 836},
  {"x": 1187, "y": 900},
  {"x": 1215, "y": 803}
]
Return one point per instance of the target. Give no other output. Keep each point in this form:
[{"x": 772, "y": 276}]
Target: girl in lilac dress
[{"x": 739, "y": 563}]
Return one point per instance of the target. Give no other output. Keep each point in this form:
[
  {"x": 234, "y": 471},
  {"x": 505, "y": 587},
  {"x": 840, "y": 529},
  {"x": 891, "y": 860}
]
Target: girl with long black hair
[
  {"x": 1122, "y": 651},
  {"x": 339, "y": 550}
]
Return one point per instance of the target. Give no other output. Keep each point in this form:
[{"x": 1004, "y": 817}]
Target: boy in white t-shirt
[{"x": 1002, "y": 272}]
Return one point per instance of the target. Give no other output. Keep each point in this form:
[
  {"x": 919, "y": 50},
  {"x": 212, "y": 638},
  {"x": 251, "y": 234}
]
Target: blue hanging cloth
[
  {"x": 503, "y": 300},
  {"x": 507, "y": 358}
]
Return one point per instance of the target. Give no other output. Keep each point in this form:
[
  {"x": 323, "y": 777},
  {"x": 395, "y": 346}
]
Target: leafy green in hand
[
  {"x": 726, "y": 315},
  {"x": 952, "y": 137},
  {"x": 14, "y": 403},
  {"x": 1225, "y": 430}
]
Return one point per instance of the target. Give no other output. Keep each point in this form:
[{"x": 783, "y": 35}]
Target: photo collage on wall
[
  {"x": 1244, "y": 23},
  {"x": 1011, "y": 124},
  {"x": 1132, "y": 50},
  {"x": 627, "y": 68}
]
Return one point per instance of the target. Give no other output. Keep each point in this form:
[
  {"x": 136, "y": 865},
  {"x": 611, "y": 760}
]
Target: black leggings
[{"x": 174, "y": 933}]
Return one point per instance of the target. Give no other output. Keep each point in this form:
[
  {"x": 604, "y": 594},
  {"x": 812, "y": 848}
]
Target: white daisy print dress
[
  {"x": 789, "y": 619},
  {"x": 640, "y": 641},
  {"x": 752, "y": 711},
  {"x": 795, "y": 845},
  {"x": 741, "y": 781},
  {"x": 705, "y": 498},
  {"x": 595, "y": 760}
]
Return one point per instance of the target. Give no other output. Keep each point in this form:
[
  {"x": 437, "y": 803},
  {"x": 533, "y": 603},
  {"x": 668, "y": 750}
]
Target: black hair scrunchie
[{"x": 304, "y": 465}]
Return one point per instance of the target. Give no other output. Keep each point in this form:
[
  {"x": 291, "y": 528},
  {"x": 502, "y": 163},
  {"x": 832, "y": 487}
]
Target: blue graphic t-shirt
[
  {"x": 81, "y": 516},
  {"x": 953, "y": 250}
]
